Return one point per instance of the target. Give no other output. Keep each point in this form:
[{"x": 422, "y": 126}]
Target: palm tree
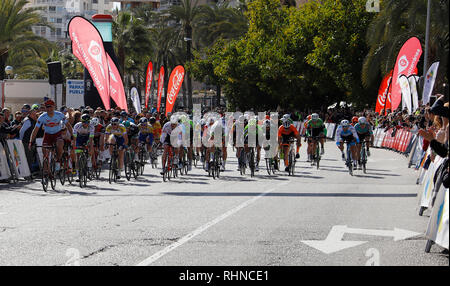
[
  {"x": 186, "y": 13},
  {"x": 16, "y": 34},
  {"x": 397, "y": 22}
]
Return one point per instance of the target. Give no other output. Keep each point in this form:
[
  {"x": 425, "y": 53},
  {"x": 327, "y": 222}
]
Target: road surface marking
[
  {"x": 204, "y": 227},
  {"x": 333, "y": 242}
]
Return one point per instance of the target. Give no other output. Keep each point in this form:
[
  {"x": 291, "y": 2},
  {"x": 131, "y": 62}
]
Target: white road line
[{"x": 204, "y": 227}]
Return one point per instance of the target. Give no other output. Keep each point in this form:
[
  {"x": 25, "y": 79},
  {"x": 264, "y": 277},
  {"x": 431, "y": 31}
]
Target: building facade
[{"x": 59, "y": 12}]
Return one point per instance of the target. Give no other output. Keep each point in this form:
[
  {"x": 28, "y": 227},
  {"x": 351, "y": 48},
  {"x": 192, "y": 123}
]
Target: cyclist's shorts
[
  {"x": 50, "y": 139},
  {"x": 348, "y": 139},
  {"x": 362, "y": 136},
  {"x": 81, "y": 140},
  {"x": 143, "y": 138},
  {"x": 285, "y": 138},
  {"x": 316, "y": 132},
  {"x": 97, "y": 141},
  {"x": 119, "y": 140}
]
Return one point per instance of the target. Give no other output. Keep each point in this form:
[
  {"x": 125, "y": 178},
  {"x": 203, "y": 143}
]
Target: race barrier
[
  {"x": 331, "y": 130},
  {"x": 15, "y": 154}
]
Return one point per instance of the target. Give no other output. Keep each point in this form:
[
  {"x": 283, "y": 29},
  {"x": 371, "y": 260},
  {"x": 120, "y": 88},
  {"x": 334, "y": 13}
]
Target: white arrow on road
[{"x": 334, "y": 243}]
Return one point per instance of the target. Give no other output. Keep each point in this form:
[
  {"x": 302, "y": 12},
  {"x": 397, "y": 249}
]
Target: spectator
[{"x": 25, "y": 132}]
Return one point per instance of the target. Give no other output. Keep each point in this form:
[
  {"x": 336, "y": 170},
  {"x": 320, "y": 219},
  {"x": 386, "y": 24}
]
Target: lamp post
[
  {"x": 9, "y": 71},
  {"x": 188, "y": 41}
]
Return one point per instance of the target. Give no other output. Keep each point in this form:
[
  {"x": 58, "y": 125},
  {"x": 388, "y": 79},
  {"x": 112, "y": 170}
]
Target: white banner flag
[
  {"x": 429, "y": 82},
  {"x": 19, "y": 158},
  {"x": 134, "y": 95},
  {"x": 437, "y": 229},
  {"x": 4, "y": 169},
  {"x": 406, "y": 93},
  {"x": 415, "y": 97}
]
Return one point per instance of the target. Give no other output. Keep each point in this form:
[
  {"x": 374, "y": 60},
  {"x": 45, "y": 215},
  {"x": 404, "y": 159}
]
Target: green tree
[{"x": 17, "y": 37}]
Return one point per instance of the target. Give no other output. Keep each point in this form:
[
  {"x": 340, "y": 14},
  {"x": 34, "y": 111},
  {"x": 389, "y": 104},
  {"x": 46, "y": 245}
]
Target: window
[
  {"x": 43, "y": 31},
  {"x": 58, "y": 20},
  {"x": 58, "y": 31},
  {"x": 52, "y": 9},
  {"x": 52, "y": 20},
  {"x": 95, "y": 1},
  {"x": 52, "y": 33},
  {"x": 60, "y": 10},
  {"x": 106, "y": 1}
]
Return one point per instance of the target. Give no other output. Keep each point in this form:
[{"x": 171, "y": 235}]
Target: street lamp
[{"x": 9, "y": 71}]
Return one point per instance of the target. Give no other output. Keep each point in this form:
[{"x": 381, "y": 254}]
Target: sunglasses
[{"x": 48, "y": 106}]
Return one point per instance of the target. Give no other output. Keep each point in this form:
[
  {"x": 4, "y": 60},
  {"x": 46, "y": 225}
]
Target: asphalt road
[{"x": 235, "y": 220}]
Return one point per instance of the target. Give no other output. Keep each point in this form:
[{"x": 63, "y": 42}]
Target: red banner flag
[
  {"x": 87, "y": 46},
  {"x": 382, "y": 92},
  {"x": 148, "y": 82},
  {"x": 160, "y": 86},
  {"x": 406, "y": 63},
  {"x": 117, "y": 91},
  {"x": 175, "y": 81}
]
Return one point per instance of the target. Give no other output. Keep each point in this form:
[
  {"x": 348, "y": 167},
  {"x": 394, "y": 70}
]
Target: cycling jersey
[
  {"x": 315, "y": 127},
  {"x": 51, "y": 124},
  {"x": 156, "y": 129},
  {"x": 167, "y": 132},
  {"x": 120, "y": 131},
  {"x": 367, "y": 129},
  {"x": 348, "y": 135},
  {"x": 80, "y": 130},
  {"x": 145, "y": 129},
  {"x": 286, "y": 134}
]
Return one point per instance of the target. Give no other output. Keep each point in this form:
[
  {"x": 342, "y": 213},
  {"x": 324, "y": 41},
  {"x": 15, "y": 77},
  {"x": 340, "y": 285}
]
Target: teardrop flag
[
  {"x": 87, "y": 46},
  {"x": 406, "y": 63},
  {"x": 117, "y": 90},
  {"x": 383, "y": 91},
  {"x": 160, "y": 86},
  {"x": 148, "y": 82},
  {"x": 175, "y": 81}
]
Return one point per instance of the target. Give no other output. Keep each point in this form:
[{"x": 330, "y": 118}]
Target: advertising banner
[
  {"x": 117, "y": 92},
  {"x": 175, "y": 81},
  {"x": 19, "y": 158},
  {"x": 406, "y": 63},
  {"x": 160, "y": 87},
  {"x": 4, "y": 169},
  {"x": 87, "y": 46},
  {"x": 406, "y": 93},
  {"x": 148, "y": 82},
  {"x": 74, "y": 93},
  {"x": 429, "y": 82},
  {"x": 134, "y": 95},
  {"x": 383, "y": 91}
]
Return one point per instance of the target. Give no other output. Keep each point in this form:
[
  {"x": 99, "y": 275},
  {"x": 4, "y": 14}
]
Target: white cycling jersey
[{"x": 80, "y": 130}]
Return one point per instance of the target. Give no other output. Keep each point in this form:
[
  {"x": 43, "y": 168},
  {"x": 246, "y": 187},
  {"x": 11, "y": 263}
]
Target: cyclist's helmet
[
  {"x": 309, "y": 117},
  {"x": 173, "y": 120},
  {"x": 85, "y": 118},
  {"x": 143, "y": 120},
  {"x": 286, "y": 116},
  {"x": 344, "y": 123},
  {"x": 355, "y": 119},
  {"x": 126, "y": 124},
  {"x": 123, "y": 114},
  {"x": 314, "y": 116},
  {"x": 95, "y": 121},
  {"x": 362, "y": 120},
  {"x": 115, "y": 120},
  {"x": 286, "y": 123},
  {"x": 152, "y": 120}
]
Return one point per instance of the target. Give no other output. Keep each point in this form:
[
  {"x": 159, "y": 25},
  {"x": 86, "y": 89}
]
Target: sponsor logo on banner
[
  {"x": 160, "y": 86},
  {"x": 402, "y": 64},
  {"x": 148, "y": 82},
  {"x": 176, "y": 84}
]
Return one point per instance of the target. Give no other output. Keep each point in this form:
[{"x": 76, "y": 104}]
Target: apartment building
[{"x": 59, "y": 12}]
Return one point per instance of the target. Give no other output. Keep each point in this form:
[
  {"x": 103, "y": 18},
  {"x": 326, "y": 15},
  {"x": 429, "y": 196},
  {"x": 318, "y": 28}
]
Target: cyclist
[
  {"x": 315, "y": 128},
  {"x": 267, "y": 148},
  {"x": 217, "y": 128},
  {"x": 124, "y": 117},
  {"x": 133, "y": 134},
  {"x": 354, "y": 120},
  {"x": 166, "y": 135},
  {"x": 117, "y": 134},
  {"x": 347, "y": 132},
  {"x": 285, "y": 132},
  {"x": 99, "y": 137},
  {"x": 186, "y": 122},
  {"x": 83, "y": 135},
  {"x": 145, "y": 134},
  {"x": 208, "y": 134},
  {"x": 51, "y": 122},
  {"x": 238, "y": 136},
  {"x": 254, "y": 128},
  {"x": 364, "y": 130}
]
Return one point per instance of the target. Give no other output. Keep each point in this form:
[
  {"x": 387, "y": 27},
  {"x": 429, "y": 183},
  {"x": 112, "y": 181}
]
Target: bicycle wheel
[
  {"x": 63, "y": 170},
  {"x": 317, "y": 156},
  {"x": 53, "y": 173},
  {"x": 363, "y": 159},
  {"x": 251, "y": 161},
  {"x": 98, "y": 169},
  {"x": 81, "y": 168},
  {"x": 44, "y": 174},
  {"x": 268, "y": 166},
  {"x": 141, "y": 162},
  {"x": 126, "y": 165},
  {"x": 112, "y": 169},
  {"x": 291, "y": 160},
  {"x": 69, "y": 171}
]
